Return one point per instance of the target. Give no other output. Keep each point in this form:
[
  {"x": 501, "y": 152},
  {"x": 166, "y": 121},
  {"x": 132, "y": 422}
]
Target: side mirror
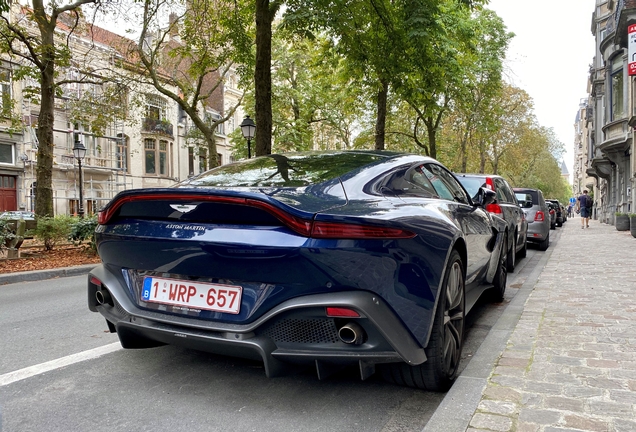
[{"x": 484, "y": 197}]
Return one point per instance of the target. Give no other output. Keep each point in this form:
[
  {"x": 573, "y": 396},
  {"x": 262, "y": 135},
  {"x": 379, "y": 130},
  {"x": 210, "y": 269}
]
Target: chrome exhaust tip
[
  {"x": 352, "y": 334},
  {"x": 103, "y": 297}
]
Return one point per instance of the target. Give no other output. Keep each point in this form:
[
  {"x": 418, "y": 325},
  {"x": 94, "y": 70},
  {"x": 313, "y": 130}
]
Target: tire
[
  {"x": 501, "y": 277},
  {"x": 543, "y": 246},
  {"x": 524, "y": 251},
  {"x": 444, "y": 348},
  {"x": 511, "y": 262},
  {"x": 553, "y": 226}
]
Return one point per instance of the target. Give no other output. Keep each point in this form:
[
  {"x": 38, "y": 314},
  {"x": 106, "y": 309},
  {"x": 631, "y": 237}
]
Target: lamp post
[
  {"x": 79, "y": 151},
  {"x": 248, "y": 128}
]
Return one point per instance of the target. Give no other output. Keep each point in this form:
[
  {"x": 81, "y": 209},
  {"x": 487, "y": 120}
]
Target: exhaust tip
[
  {"x": 103, "y": 297},
  {"x": 351, "y": 334}
]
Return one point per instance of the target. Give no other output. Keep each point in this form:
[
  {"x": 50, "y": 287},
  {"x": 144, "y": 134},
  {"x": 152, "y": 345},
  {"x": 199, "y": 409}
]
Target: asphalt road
[{"x": 60, "y": 370}]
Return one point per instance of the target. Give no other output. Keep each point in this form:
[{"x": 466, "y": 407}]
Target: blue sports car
[{"x": 321, "y": 258}]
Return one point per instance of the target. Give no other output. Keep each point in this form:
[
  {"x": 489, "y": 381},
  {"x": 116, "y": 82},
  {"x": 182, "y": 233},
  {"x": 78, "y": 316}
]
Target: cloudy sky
[{"x": 550, "y": 57}]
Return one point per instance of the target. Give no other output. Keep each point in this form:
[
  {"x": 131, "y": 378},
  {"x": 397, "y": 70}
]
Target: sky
[{"x": 550, "y": 57}]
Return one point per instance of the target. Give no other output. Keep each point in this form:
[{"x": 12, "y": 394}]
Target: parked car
[
  {"x": 537, "y": 215},
  {"x": 560, "y": 213},
  {"x": 552, "y": 208},
  {"x": 318, "y": 258},
  {"x": 18, "y": 214},
  {"x": 505, "y": 207}
]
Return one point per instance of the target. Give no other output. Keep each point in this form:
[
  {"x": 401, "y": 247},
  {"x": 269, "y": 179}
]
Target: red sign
[{"x": 631, "y": 49}]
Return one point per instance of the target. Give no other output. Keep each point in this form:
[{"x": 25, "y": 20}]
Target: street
[{"x": 60, "y": 370}]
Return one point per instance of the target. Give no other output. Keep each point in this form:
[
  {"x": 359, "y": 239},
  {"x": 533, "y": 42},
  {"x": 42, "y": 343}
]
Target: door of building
[{"x": 8, "y": 193}]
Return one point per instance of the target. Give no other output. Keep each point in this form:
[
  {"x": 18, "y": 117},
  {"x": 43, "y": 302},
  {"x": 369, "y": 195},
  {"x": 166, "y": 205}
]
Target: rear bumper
[
  {"x": 537, "y": 232},
  {"x": 296, "y": 331}
]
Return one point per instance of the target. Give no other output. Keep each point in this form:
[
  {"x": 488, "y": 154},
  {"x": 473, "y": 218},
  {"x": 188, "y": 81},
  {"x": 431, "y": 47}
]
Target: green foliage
[
  {"x": 6, "y": 233},
  {"x": 620, "y": 214},
  {"x": 83, "y": 229},
  {"x": 51, "y": 230}
]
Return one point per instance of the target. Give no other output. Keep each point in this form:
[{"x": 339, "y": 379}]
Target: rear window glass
[
  {"x": 522, "y": 195},
  {"x": 286, "y": 170}
]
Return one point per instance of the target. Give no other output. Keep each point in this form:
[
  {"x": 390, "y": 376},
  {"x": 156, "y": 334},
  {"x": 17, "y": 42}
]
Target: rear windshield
[
  {"x": 472, "y": 184},
  {"x": 521, "y": 196},
  {"x": 288, "y": 170}
]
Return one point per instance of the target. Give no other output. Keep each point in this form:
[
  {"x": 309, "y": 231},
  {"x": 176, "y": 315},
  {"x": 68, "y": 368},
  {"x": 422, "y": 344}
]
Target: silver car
[{"x": 537, "y": 214}]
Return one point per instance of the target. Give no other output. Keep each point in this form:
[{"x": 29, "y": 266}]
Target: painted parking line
[{"x": 41, "y": 368}]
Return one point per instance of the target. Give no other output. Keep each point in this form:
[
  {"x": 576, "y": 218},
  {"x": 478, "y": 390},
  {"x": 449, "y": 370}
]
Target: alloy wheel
[{"x": 453, "y": 318}]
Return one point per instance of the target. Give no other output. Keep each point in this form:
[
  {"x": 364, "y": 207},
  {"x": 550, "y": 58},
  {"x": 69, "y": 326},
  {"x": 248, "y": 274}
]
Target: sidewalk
[{"x": 569, "y": 363}]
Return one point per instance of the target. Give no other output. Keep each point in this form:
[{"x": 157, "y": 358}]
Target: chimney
[{"x": 174, "y": 24}]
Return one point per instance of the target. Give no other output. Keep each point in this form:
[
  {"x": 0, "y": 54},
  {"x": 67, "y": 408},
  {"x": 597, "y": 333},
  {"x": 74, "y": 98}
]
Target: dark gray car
[
  {"x": 537, "y": 214},
  {"x": 505, "y": 207}
]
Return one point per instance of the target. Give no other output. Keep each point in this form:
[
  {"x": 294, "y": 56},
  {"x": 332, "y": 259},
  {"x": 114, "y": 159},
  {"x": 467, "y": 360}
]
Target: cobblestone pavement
[{"x": 570, "y": 363}]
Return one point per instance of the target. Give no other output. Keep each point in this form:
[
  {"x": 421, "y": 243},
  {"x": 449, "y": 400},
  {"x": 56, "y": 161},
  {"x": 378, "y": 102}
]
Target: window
[
  {"x": 445, "y": 184},
  {"x": 73, "y": 207},
  {"x": 617, "y": 89},
  {"x": 157, "y": 157},
  {"x": 122, "y": 152},
  {"x": 203, "y": 160},
  {"x": 156, "y": 107},
  {"x": 91, "y": 207},
  {"x": 7, "y": 154},
  {"x": 190, "y": 161},
  {"x": 219, "y": 159},
  {"x": 5, "y": 88},
  {"x": 211, "y": 117}
]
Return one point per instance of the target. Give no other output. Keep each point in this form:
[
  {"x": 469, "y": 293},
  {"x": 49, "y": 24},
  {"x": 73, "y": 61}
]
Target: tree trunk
[
  {"x": 44, "y": 171},
  {"x": 263, "y": 78},
  {"x": 431, "y": 130},
  {"x": 380, "y": 123}
]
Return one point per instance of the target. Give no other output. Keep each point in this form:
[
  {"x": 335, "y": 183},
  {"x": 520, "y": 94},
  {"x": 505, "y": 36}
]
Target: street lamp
[
  {"x": 79, "y": 151},
  {"x": 248, "y": 128}
]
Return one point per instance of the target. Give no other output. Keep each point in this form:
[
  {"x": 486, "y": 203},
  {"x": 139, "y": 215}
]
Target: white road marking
[{"x": 41, "y": 368}]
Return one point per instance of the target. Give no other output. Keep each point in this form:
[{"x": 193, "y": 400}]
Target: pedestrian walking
[{"x": 584, "y": 205}]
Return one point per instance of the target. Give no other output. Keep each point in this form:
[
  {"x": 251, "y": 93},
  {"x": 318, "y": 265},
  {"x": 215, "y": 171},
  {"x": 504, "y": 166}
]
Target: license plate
[{"x": 194, "y": 295}]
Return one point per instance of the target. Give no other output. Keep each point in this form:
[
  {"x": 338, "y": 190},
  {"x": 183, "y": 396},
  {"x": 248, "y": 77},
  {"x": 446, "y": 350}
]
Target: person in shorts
[{"x": 584, "y": 205}]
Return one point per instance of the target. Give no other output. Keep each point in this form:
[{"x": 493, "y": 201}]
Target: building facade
[
  {"x": 611, "y": 112},
  {"x": 155, "y": 149}
]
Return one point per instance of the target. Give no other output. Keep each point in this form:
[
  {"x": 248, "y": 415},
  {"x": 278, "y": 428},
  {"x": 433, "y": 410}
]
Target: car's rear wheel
[
  {"x": 445, "y": 344},
  {"x": 512, "y": 255},
  {"x": 543, "y": 246}
]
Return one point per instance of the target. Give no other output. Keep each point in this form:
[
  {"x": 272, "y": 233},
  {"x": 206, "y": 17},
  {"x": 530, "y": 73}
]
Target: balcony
[
  {"x": 624, "y": 16},
  {"x": 156, "y": 126}
]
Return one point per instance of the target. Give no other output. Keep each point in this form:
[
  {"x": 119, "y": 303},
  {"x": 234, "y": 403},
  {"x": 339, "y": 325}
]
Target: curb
[
  {"x": 38, "y": 275},
  {"x": 457, "y": 408}
]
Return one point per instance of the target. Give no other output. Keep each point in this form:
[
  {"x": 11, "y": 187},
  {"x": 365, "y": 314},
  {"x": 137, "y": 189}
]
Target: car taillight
[
  {"x": 342, "y": 312},
  {"x": 494, "y": 208},
  {"x": 539, "y": 216},
  {"x": 552, "y": 211},
  {"x": 304, "y": 227}
]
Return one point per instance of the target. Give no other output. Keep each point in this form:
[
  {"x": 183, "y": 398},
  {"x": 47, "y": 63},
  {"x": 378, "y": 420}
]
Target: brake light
[
  {"x": 342, "y": 312},
  {"x": 95, "y": 281},
  {"x": 494, "y": 208},
  {"x": 552, "y": 211},
  {"x": 539, "y": 216}
]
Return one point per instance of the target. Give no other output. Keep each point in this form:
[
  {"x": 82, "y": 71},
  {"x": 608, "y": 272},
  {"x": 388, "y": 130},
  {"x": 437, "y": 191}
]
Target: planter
[
  {"x": 622, "y": 222},
  {"x": 632, "y": 225}
]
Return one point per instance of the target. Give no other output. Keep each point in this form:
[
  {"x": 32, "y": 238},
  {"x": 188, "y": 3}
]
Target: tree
[
  {"x": 187, "y": 60},
  {"x": 265, "y": 12},
  {"x": 45, "y": 50}
]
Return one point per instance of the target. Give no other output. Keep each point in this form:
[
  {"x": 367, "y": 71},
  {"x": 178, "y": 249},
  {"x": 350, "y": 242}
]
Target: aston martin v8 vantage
[{"x": 321, "y": 258}]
